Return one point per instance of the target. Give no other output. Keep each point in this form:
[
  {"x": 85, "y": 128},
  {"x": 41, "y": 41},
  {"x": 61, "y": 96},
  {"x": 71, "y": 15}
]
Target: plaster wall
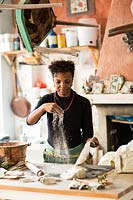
[
  {"x": 115, "y": 57},
  {"x": 7, "y": 121}
]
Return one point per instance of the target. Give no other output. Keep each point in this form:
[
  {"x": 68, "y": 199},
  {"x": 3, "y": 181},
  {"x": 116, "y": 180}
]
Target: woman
[{"x": 69, "y": 116}]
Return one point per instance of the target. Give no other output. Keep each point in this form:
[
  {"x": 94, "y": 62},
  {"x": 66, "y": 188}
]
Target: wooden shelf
[
  {"x": 122, "y": 121},
  {"x": 94, "y": 51},
  {"x": 11, "y": 55},
  {"x": 79, "y": 48}
]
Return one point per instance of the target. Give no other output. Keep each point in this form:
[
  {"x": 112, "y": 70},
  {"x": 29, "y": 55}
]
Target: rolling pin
[{"x": 34, "y": 169}]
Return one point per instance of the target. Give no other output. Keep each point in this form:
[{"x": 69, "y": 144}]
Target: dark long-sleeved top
[{"x": 77, "y": 119}]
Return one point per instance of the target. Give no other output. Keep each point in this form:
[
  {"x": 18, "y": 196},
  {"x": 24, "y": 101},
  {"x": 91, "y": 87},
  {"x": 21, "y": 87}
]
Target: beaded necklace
[{"x": 69, "y": 105}]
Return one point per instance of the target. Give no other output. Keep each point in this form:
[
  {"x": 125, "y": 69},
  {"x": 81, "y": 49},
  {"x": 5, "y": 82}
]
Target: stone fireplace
[
  {"x": 104, "y": 105},
  {"x": 114, "y": 59},
  {"x": 119, "y": 131}
]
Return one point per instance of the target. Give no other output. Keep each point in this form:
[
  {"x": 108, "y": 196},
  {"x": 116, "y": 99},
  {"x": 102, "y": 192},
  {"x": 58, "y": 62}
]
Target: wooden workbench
[{"x": 121, "y": 188}]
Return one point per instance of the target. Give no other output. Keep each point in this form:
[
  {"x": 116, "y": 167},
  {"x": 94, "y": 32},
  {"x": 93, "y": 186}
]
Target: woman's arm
[
  {"x": 36, "y": 114},
  {"x": 88, "y": 131}
]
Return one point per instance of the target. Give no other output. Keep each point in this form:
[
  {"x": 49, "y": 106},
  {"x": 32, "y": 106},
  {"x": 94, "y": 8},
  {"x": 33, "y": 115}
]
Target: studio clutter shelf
[
  {"x": 10, "y": 55},
  {"x": 35, "y": 58},
  {"x": 94, "y": 51}
]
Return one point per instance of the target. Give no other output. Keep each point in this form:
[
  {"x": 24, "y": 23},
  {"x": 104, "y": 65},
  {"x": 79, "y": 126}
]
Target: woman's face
[{"x": 63, "y": 83}]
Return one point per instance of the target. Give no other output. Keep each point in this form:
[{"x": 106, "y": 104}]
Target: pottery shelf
[
  {"x": 35, "y": 59},
  {"x": 94, "y": 51},
  {"x": 30, "y": 60}
]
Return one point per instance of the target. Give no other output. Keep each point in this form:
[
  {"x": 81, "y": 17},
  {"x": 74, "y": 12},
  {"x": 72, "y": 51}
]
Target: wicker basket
[{"x": 13, "y": 152}]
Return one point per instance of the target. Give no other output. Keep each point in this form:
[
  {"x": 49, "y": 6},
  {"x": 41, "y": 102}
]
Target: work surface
[{"x": 121, "y": 187}]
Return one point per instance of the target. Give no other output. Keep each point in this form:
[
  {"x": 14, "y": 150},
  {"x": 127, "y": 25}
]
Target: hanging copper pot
[{"x": 19, "y": 105}]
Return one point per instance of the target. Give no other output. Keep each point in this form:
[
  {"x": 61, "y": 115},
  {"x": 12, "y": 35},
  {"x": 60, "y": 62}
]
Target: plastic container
[
  {"x": 71, "y": 38},
  {"x": 35, "y": 92},
  {"x": 61, "y": 40},
  {"x": 8, "y": 41},
  {"x": 52, "y": 39},
  {"x": 16, "y": 43},
  {"x": 44, "y": 91},
  {"x": 88, "y": 35}
]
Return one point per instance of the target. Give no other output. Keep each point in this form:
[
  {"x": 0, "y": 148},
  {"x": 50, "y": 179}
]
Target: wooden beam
[
  {"x": 122, "y": 121},
  {"x": 28, "y": 6}
]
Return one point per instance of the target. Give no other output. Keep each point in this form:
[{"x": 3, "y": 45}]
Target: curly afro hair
[{"x": 62, "y": 66}]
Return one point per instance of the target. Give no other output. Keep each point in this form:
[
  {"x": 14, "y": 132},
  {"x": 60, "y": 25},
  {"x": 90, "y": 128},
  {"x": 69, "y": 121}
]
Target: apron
[{"x": 52, "y": 155}]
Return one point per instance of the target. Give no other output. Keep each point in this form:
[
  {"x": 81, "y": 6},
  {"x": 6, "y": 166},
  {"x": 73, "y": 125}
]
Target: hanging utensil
[{"x": 19, "y": 105}]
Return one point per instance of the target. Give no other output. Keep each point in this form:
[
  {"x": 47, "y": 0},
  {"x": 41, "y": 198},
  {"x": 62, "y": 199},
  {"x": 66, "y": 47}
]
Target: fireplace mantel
[
  {"x": 104, "y": 105},
  {"x": 110, "y": 98}
]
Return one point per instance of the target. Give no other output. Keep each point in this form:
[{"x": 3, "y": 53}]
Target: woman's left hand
[{"x": 93, "y": 142}]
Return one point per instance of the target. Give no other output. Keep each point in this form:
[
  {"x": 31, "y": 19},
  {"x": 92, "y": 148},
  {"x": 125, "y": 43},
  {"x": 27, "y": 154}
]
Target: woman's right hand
[
  {"x": 35, "y": 115},
  {"x": 53, "y": 108}
]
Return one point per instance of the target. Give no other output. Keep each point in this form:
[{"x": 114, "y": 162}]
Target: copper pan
[{"x": 19, "y": 105}]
